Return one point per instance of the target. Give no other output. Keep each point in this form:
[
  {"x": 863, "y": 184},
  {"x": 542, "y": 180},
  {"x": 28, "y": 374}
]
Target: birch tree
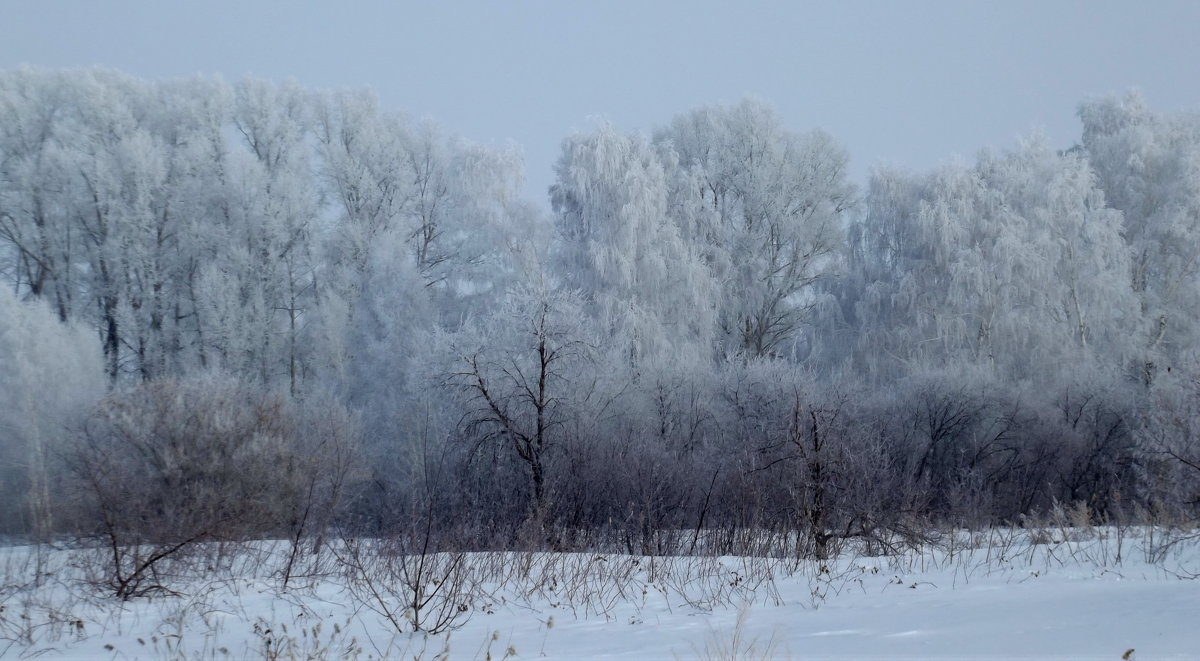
[
  {"x": 1014, "y": 264},
  {"x": 1149, "y": 168},
  {"x": 778, "y": 200},
  {"x": 33, "y": 172},
  {"x": 617, "y": 245}
]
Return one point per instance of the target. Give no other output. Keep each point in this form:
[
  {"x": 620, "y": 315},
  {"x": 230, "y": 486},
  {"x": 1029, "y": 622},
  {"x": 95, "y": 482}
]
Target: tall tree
[
  {"x": 1015, "y": 264},
  {"x": 1149, "y": 169},
  {"x": 778, "y": 200},
  {"x": 33, "y": 173},
  {"x": 272, "y": 212},
  {"x": 617, "y": 245}
]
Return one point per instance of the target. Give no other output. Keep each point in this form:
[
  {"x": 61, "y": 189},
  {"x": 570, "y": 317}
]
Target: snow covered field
[{"x": 1077, "y": 594}]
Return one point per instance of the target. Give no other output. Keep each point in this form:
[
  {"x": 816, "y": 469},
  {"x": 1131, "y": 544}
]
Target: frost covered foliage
[
  {"x": 50, "y": 376},
  {"x": 766, "y": 209},
  {"x": 712, "y": 341},
  {"x": 618, "y": 245},
  {"x": 199, "y": 225},
  {"x": 1015, "y": 264},
  {"x": 1149, "y": 168}
]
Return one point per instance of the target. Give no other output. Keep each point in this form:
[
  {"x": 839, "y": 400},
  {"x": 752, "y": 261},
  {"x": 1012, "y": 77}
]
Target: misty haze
[{"x": 295, "y": 370}]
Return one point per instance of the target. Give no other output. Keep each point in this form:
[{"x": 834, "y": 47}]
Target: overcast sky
[{"x": 901, "y": 82}]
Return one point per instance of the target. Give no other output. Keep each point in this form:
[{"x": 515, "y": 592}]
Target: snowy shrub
[{"x": 171, "y": 464}]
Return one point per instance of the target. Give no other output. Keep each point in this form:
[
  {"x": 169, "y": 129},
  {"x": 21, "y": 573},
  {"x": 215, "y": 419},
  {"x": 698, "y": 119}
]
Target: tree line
[{"x": 222, "y": 294}]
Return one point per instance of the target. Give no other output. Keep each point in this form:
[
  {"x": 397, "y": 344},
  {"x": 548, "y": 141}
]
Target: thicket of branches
[{"x": 235, "y": 312}]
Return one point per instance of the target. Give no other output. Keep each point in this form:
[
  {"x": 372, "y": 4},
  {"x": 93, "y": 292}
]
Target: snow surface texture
[{"x": 1060, "y": 594}]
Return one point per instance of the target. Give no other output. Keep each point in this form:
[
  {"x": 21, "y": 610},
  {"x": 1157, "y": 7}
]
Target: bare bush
[
  {"x": 408, "y": 585},
  {"x": 174, "y": 463}
]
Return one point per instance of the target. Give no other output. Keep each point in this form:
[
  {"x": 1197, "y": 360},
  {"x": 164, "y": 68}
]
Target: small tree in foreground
[{"x": 518, "y": 383}]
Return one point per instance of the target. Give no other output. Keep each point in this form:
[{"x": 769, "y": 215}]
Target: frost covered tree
[
  {"x": 51, "y": 373},
  {"x": 54, "y": 223},
  {"x": 119, "y": 170},
  {"x": 1149, "y": 168},
  {"x": 363, "y": 167},
  {"x": 33, "y": 172},
  {"x": 777, "y": 201},
  {"x": 119, "y": 166},
  {"x": 450, "y": 201},
  {"x": 618, "y": 245},
  {"x": 165, "y": 175},
  {"x": 196, "y": 224},
  {"x": 426, "y": 233},
  {"x": 261, "y": 285},
  {"x": 1015, "y": 264}
]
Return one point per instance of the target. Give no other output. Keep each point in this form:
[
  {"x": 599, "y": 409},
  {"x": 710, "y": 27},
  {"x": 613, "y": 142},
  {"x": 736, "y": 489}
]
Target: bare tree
[{"x": 518, "y": 388}]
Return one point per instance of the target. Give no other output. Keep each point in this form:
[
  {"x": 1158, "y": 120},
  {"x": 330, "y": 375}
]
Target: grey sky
[{"x": 906, "y": 83}]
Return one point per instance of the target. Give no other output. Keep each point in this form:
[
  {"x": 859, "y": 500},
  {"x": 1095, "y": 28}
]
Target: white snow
[{"x": 994, "y": 597}]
